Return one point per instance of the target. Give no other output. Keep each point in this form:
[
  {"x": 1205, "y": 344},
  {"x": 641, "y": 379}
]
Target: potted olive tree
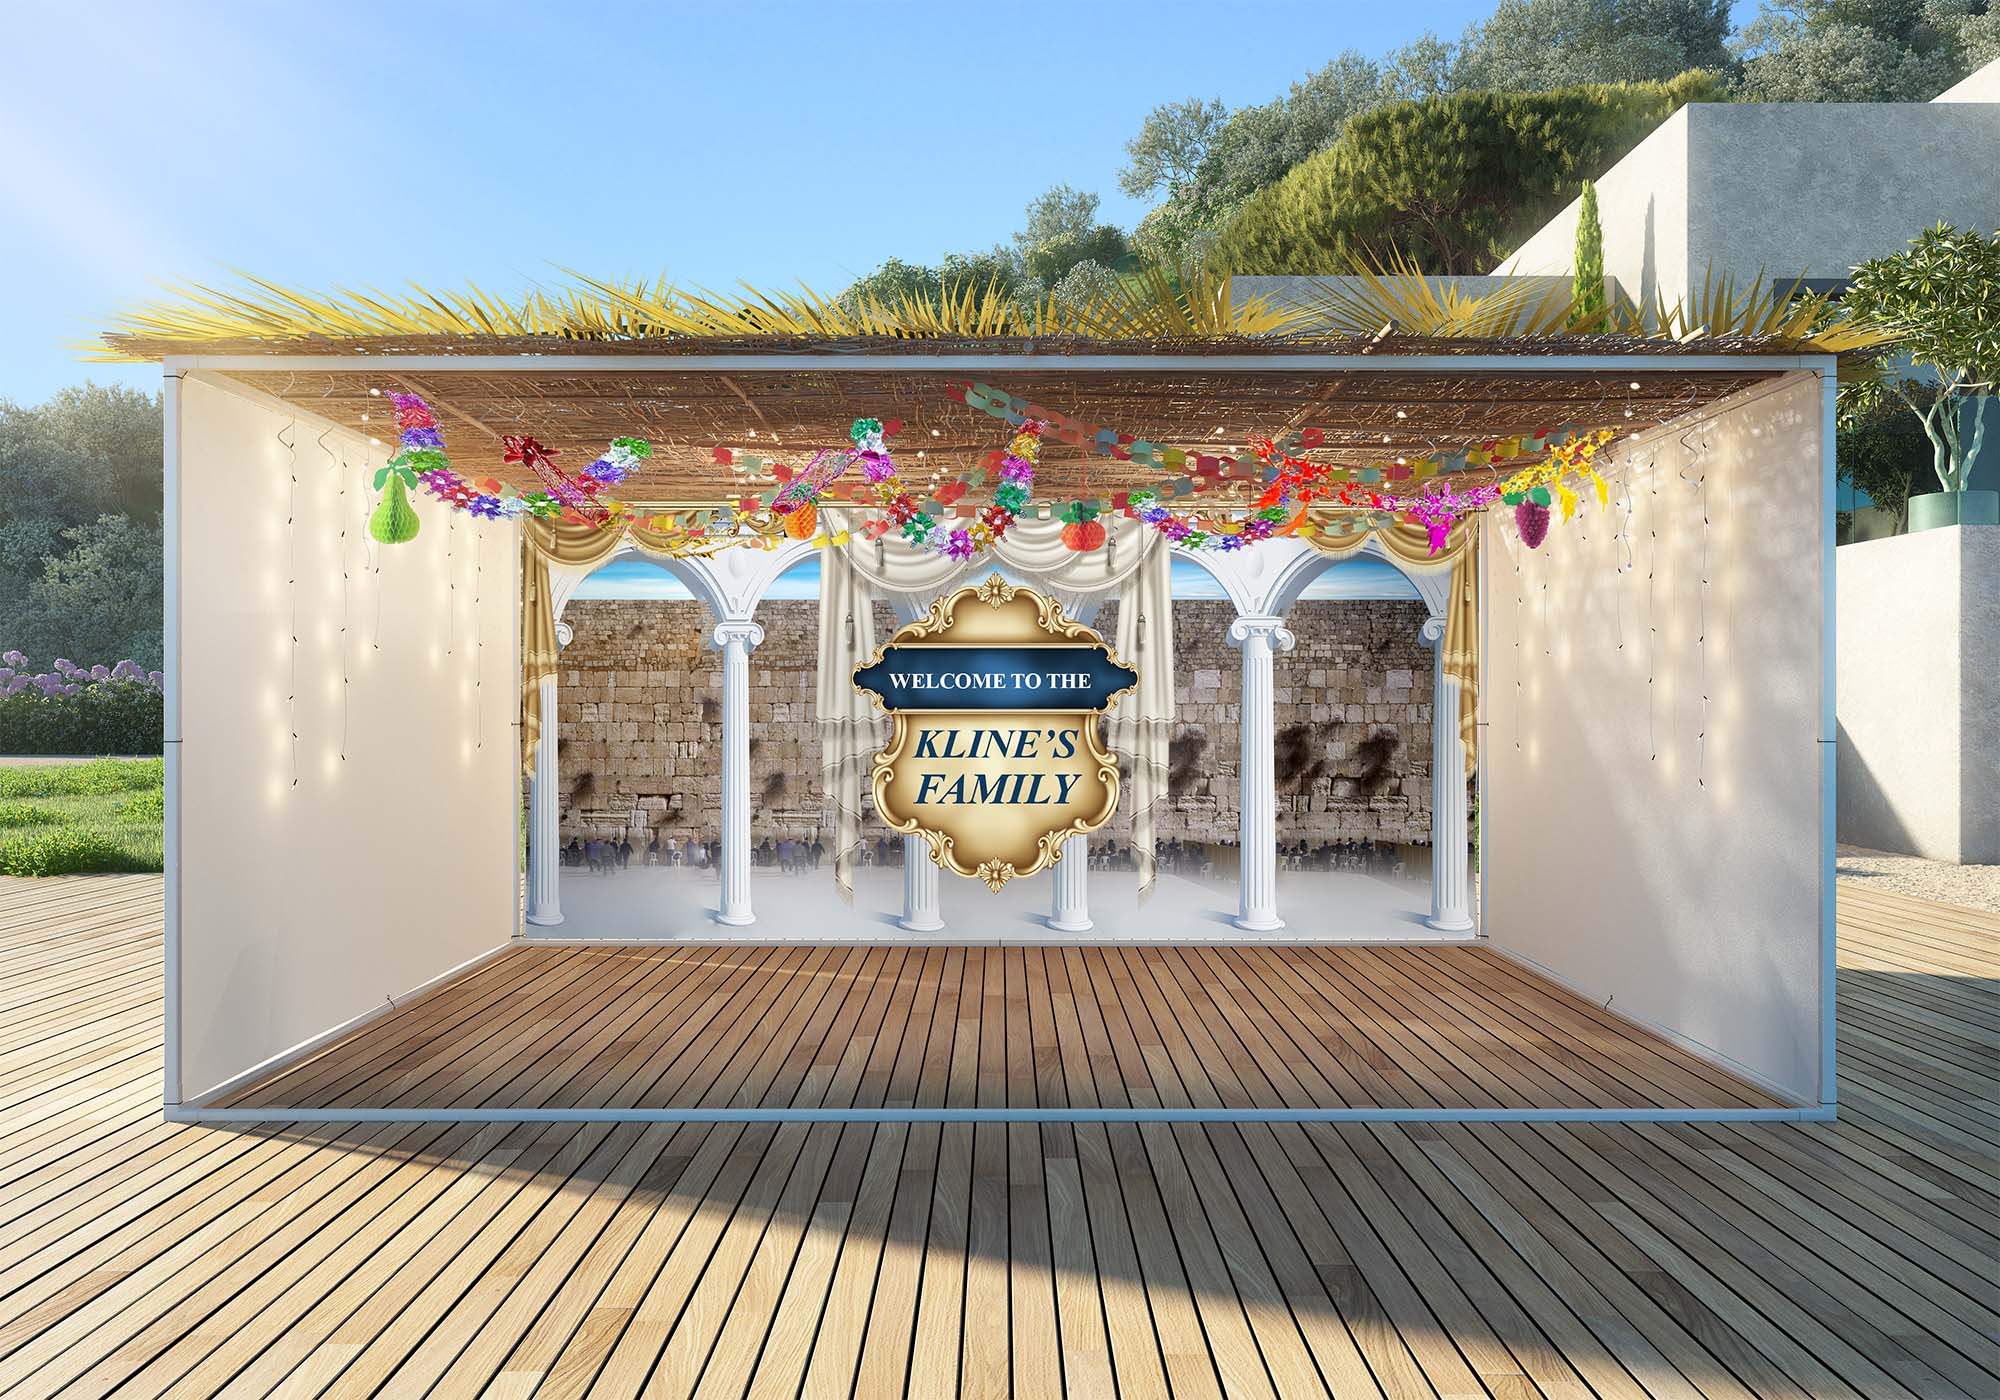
[{"x": 1942, "y": 297}]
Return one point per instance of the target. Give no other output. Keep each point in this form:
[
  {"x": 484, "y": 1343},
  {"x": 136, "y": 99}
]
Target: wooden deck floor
[
  {"x": 957, "y": 1027},
  {"x": 1846, "y": 1260}
]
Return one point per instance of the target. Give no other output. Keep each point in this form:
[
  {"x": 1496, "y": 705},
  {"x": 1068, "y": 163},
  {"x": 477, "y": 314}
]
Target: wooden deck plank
[{"x": 1839, "y": 1260}]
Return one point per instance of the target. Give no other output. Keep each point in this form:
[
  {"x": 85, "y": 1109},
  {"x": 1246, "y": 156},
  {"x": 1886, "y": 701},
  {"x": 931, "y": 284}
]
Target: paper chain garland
[
  {"x": 1292, "y": 484},
  {"x": 1016, "y": 469}
]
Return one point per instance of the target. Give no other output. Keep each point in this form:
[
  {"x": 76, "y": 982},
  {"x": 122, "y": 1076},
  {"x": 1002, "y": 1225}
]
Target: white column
[
  {"x": 1069, "y": 905},
  {"x": 1259, "y": 638},
  {"x": 545, "y": 809},
  {"x": 920, "y": 887},
  {"x": 1451, "y": 872},
  {"x": 736, "y": 639}
]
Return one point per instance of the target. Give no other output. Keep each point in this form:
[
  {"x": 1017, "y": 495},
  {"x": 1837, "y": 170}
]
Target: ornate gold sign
[{"x": 996, "y": 757}]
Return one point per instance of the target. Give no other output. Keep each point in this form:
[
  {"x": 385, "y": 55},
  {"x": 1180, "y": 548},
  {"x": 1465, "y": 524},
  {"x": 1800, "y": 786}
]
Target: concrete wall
[
  {"x": 1920, "y": 694},
  {"x": 1781, "y": 190},
  {"x": 319, "y": 875},
  {"x": 1982, "y": 85},
  {"x": 1642, "y": 204},
  {"x": 1654, "y": 817}
]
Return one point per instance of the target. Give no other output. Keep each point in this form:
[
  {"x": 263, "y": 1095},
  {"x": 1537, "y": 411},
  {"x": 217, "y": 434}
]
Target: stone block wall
[
  {"x": 1353, "y": 724},
  {"x": 640, "y": 722}
]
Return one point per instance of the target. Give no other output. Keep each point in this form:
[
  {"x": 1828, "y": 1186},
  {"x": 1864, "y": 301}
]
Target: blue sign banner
[{"x": 931, "y": 677}]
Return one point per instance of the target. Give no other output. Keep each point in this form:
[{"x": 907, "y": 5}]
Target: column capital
[
  {"x": 565, "y": 634},
  {"x": 1432, "y": 632},
  {"x": 1271, "y": 630},
  {"x": 748, "y": 635}
]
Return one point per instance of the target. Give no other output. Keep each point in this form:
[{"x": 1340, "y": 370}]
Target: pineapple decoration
[{"x": 1081, "y": 530}]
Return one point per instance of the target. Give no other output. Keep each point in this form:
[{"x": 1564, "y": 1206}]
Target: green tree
[
  {"x": 895, "y": 279},
  {"x": 1062, "y": 230},
  {"x": 102, "y": 599},
  {"x": 85, "y": 463},
  {"x": 1172, "y": 143},
  {"x": 1541, "y": 45},
  {"x": 1942, "y": 295},
  {"x": 1587, "y": 297},
  {"x": 1864, "y": 50},
  {"x": 1425, "y": 68},
  {"x": 1881, "y": 450},
  {"x": 1085, "y": 283},
  {"x": 1257, "y": 145},
  {"x": 1450, "y": 183},
  {"x": 1536, "y": 45},
  {"x": 1223, "y": 164}
]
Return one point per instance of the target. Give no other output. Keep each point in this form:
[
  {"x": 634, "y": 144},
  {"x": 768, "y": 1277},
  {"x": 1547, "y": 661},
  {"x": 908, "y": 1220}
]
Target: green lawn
[{"x": 81, "y": 818}]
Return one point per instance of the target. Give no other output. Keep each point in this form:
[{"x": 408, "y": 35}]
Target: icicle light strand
[{"x": 292, "y": 588}]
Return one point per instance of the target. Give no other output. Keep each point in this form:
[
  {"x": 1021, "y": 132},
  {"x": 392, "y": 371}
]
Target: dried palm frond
[
  {"x": 1151, "y": 303},
  {"x": 1160, "y": 304},
  {"x": 1398, "y": 294}
]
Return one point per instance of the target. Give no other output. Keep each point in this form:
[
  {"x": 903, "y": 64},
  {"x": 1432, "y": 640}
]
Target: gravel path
[{"x": 1974, "y": 886}]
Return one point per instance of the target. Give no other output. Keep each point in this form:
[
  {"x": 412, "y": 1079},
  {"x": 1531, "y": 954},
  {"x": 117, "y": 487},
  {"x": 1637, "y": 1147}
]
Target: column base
[
  {"x": 545, "y": 920},
  {"x": 1449, "y": 923},
  {"x": 735, "y": 920},
  {"x": 1259, "y": 923},
  {"x": 1071, "y": 926},
  {"x": 918, "y": 924}
]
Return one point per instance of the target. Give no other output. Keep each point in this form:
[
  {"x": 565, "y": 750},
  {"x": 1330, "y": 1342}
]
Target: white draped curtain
[
  {"x": 1030, "y": 547},
  {"x": 1140, "y": 726},
  {"x": 851, "y": 729},
  {"x": 1134, "y": 564}
]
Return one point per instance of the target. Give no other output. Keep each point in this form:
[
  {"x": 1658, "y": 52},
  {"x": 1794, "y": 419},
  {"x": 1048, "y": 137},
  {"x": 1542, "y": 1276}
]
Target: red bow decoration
[{"x": 578, "y": 496}]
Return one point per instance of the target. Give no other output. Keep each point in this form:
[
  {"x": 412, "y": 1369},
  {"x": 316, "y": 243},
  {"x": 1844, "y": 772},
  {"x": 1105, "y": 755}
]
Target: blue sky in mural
[{"x": 1355, "y": 579}]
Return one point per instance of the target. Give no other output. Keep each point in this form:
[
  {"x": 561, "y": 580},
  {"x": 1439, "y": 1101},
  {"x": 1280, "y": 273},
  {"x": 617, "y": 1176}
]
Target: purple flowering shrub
[{"x": 72, "y": 709}]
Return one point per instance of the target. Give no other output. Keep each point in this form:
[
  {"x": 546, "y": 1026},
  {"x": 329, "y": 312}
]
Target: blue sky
[{"x": 369, "y": 144}]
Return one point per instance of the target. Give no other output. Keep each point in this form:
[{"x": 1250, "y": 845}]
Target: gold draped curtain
[
  {"x": 546, "y": 542},
  {"x": 1411, "y": 545}
]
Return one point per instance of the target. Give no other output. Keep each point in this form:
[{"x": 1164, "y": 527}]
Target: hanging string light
[
  {"x": 372, "y": 560},
  {"x": 1625, "y": 566},
  {"x": 479, "y": 645},
  {"x": 1652, "y": 621},
  {"x": 339, "y": 466},
  {"x": 450, "y": 587},
  {"x": 1699, "y": 461},
  {"x": 292, "y": 588},
  {"x": 1517, "y": 649}
]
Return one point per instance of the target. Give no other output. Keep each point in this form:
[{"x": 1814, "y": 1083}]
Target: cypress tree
[{"x": 1587, "y": 301}]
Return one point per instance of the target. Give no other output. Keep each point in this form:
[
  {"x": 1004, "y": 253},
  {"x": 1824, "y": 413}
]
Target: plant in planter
[
  {"x": 1882, "y": 450},
  {"x": 1941, "y": 296}
]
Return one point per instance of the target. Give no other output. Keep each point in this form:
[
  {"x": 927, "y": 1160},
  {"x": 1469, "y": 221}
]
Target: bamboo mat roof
[
  {"x": 786, "y": 411},
  {"x": 1368, "y": 417}
]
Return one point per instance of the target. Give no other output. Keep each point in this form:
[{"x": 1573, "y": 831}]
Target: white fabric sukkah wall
[
  {"x": 1653, "y": 813},
  {"x": 347, "y": 752}
]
